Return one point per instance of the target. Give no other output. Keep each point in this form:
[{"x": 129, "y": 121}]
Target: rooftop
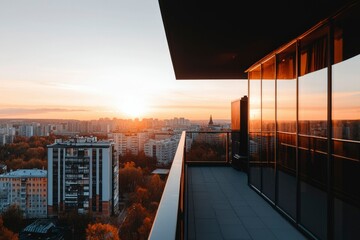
[
  {"x": 223, "y": 206},
  {"x": 161, "y": 171},
  {"x": 25, "y": 173},
  {"x": 81, "y": 142}
]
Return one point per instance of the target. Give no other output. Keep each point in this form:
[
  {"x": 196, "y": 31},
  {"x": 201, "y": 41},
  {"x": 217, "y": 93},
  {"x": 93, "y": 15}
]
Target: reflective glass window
[
  {"x": 286, "y": 165},
  {"x": 255, "y": 126},
  {"x": 286, "y": 90},
  {"x": 313, "y": 84},
  {"x": 313, "y": 103},
  {"x": 346, "y": 99},
  {"x": 346, "y": 125},
  {"x": 268, "y": 128}
]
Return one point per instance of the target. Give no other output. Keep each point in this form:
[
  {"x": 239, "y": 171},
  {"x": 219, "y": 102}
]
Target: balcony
[{"x": 206, "y": 198}]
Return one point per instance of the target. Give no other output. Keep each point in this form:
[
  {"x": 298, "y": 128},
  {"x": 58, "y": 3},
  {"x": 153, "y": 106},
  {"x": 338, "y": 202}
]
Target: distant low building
[
  {"x": 42, "y": 229},
  {"x": 27, "y": 189},
  {"x": 162, "y": 172}
]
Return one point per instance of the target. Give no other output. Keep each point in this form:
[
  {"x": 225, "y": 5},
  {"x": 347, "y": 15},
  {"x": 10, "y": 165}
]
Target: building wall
[
  {"x": 164, "y": 150},
  {"x": 304, "y": 128},
  {"x": 84, "y": 176},
  {"x": 26, "y": 188}
]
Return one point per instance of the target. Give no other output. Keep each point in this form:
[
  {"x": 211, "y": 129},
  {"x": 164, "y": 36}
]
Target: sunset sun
[{"x": 133, "y": 107}]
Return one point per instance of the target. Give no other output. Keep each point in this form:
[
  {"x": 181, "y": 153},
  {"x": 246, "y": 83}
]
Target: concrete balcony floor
[{"x": 222, "y": 206}]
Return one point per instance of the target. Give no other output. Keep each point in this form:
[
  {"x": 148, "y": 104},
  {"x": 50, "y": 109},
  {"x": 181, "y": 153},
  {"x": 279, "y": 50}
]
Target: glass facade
[
  {"x": 286, "y": 130},
  {"x": 255, "y": 127},
  {"x": 304, "y": 121}
]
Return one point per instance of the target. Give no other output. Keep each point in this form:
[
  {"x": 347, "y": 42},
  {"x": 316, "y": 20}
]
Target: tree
[
  {"x": 13, "y": 218},
  {"x": 130, "y": 177},
  {"x": 155, "y": 186},
  {"x": 35, "y": 152},
  {"x": 133, "y": 221},
  {"x": 145, "y": 228},
  {"x": 140, "y": 160},
  {"x": 141, "y": 195},
  {"x": 101, "y": 231},
  {"x": 18, "y": 163},
  {"x": 77, "y": 223},
  {"x": 6, "y": 234}
]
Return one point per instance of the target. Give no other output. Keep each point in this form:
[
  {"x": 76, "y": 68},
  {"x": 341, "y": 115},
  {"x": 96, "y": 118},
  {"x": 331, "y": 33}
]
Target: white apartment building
[
  {"x": 26, "y": 130},
  {"x": 83, "y": 175},
  {"x": 27, "y": 189},
  {"x": 164, "y": 150},
  {"x": 130, "y": 142}
]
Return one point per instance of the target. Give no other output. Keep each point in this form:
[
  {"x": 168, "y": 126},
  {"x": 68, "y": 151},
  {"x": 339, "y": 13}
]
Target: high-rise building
[
  {"x": 82, "y": 176},
  {"x": 25, "y": 188}
]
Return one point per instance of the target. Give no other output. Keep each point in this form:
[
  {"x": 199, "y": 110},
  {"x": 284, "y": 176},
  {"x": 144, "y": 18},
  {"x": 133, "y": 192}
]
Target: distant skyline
[{"x": 89, "y": 59}]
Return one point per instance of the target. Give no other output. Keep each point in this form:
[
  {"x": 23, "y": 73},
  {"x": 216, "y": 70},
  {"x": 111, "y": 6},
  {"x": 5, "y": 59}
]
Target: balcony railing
[{"x": 211, "y": 147}]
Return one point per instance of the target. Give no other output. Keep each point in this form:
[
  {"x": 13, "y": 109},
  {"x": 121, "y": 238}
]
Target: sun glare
[{"x": 133, "y": 107}]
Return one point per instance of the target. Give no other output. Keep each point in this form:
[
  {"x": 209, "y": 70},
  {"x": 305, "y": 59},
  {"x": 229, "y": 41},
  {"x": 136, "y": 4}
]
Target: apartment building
[
  {"x": 129, "y": 142},
  {"x": 164, "y": 149},
  {"x": 82, "y": 176},
  {"x": 26, "y": 188}
]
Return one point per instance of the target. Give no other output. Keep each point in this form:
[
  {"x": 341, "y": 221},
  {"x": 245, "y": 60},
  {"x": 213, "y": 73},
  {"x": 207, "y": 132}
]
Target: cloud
[{"x": 25, "y": 111}]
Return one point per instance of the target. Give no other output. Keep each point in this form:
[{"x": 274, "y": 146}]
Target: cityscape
[
  {"x": 179, "y": 120},
  {"x": 55, "y": 172}
]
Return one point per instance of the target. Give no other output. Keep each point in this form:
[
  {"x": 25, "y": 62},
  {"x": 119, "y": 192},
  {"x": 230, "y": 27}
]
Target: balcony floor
[{"x": 222, "y": 206}]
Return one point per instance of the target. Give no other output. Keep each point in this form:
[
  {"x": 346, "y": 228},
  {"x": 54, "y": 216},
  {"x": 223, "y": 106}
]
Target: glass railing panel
[{"x": 208, "y": 147}]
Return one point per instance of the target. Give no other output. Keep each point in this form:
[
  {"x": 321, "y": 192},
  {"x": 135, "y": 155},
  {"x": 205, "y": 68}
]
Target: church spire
[{"x": 211, "y": 121}]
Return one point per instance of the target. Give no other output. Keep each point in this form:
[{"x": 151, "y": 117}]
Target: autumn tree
[
  {"x": 35, "y": 152},
  {"x": 141, "y": 160},
  {"x": 141, "y": 195},
  {"x": 26, "y": 152},
  {"x": 145, "y": 228},
  {"x": 155, "y": 185},
  {"x": 13, "y": 218},
  {"x": 6, "y": 234},
  {"x": 19, "y": 163},
  {"x": 77, "y": 222},
  {"x": 101, "y": 231},
  {"x": 134, "y": 220},
  {"x": 130, "y": 177}
]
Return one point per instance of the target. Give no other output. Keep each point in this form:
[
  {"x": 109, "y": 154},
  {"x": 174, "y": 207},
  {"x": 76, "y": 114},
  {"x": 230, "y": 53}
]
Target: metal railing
[
  {"x": 168, "y": 221},
  {"x": 211, "y": 147}
]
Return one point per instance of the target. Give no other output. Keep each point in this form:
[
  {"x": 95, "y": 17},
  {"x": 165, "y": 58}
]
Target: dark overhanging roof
[{"x": 220, "y": 39}]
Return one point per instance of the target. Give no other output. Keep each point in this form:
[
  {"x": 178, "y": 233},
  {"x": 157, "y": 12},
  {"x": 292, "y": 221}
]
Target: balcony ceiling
[{"x": 220, "y": 39}]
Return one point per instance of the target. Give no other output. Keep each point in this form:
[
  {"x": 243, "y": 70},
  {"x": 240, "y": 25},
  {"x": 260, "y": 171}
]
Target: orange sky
[{"x": 91, "y": 59}]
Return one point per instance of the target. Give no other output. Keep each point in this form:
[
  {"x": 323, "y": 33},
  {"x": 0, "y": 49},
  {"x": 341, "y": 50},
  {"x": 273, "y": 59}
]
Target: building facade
[
  {"x": 26, "y": 188},
  {"x": 164, "y": 150},
  {"x": 304, "y": 128},
  {"x": 83, "y": 175},
  {"x": 129, "y": 142}
]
